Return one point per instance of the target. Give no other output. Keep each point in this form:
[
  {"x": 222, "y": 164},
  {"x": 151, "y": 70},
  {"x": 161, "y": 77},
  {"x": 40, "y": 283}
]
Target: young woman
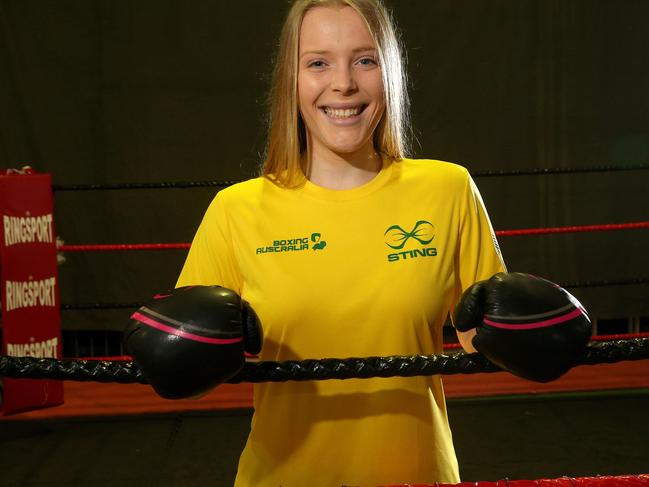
[{"x": 345, "y": 248}]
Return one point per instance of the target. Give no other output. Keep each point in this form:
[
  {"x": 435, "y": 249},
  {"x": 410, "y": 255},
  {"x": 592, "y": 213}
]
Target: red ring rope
[
  {"x": 500, "y": 233},
  {"x": 595, "y": 338},
  {"x": 573, "y": 229},
  {"x": 447, "y": 346},
  {"x": 618, "y": 336},
  {"x": 110, "y": 247},
  {"x": 603, "y": 481}
]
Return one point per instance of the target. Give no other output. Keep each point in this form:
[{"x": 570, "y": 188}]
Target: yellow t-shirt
[{"x": 354, "y": 273}]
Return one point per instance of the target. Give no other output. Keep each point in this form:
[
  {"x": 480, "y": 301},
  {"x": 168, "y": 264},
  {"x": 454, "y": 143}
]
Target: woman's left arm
[{"x": 478, "y": 255}]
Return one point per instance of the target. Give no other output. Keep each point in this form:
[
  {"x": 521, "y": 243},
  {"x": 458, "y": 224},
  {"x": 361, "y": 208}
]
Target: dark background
[
  {"x": 109, "y": 91},
  {"x": 515, "y": 438}
]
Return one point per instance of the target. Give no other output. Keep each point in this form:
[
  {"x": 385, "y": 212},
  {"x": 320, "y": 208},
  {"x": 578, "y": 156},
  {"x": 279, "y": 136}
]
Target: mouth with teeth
[{"x": 343, "y": 113}]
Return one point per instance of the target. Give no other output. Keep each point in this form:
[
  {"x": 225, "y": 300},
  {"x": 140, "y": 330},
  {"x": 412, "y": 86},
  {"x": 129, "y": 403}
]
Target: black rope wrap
[
  {"x": 582, "y": 284},
  {"x": 543, "y": 171},
  {"x": 615, "y": 351},
  {"x": 620, "y": 282},
  {"x": 78, "y": 370},
  {"x": 163, "y": 185},
  {"x": 362, "y": 368}
]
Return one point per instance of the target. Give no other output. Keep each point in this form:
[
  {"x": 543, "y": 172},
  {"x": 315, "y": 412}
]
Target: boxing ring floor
[
  {"x": 592, "y": 421},
  {"x": 531, "y": 437}
]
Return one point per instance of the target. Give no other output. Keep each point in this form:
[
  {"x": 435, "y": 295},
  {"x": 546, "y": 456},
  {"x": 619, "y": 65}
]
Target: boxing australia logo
[
  {"x": 410, "y": 244},
  {"x": 296, "y": 244}
]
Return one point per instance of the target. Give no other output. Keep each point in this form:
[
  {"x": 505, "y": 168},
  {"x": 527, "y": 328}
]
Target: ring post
[{"x": 31, "y": 321}]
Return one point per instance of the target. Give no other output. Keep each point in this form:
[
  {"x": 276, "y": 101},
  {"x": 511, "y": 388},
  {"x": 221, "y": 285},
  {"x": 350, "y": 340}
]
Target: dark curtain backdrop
[{"x": 108, "y": 91}]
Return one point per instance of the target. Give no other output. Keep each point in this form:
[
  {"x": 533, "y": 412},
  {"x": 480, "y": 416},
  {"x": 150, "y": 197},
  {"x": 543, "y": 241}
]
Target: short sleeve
[
  {"x": 211, "y": 259},
  {"x": 478, "y": 255}
]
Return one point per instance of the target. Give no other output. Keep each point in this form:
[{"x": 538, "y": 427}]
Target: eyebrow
[{"x": 358, "y": 49}]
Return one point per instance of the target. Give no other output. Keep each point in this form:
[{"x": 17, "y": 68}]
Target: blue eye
[
  {"x": 316, "y": 64},
  {"x": 367, "y": 61}
]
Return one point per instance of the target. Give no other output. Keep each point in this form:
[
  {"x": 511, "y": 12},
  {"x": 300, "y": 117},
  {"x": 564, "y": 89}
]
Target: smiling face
[{"x": 340, "y": 88}]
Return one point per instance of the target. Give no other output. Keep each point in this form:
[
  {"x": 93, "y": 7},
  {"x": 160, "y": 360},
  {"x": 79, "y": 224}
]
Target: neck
[{"x": 342, "y": 171}]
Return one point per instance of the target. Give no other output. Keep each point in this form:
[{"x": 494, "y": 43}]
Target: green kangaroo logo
[{"x": 318, "y": 244}]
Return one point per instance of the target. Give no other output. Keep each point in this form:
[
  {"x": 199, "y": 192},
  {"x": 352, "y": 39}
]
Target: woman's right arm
[{"x": 211, "y": 259}]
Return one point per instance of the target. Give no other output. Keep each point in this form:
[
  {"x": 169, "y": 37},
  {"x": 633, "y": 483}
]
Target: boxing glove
[
  {"x": 526, "y": 325},
  {"x": 191, "y": 339}
]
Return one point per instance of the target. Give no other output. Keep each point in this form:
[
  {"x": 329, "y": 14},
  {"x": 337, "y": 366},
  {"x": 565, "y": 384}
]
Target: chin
[
  {"x": 348, "y": 147},
  {"x": 344, "y": 151}
]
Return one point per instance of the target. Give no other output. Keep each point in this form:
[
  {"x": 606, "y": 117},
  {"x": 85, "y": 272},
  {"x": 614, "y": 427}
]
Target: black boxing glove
[
  {"x": 191, "y": 339},
  {"x": 526, "y": 325}
]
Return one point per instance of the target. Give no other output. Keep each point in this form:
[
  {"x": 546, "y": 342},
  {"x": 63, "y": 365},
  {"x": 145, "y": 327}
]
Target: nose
[{"x": 343, "y": 80}]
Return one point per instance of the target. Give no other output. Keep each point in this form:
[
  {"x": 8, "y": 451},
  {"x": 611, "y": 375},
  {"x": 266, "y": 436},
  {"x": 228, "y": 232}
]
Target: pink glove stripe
[
  {"x": 183, "y": 334},
  {"x": 538, "y": 324}
]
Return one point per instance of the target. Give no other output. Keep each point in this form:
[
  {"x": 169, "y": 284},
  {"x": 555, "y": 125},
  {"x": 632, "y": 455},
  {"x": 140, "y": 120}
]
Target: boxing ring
[
  {"x": 603, "y": 481},
  {"x": 605, "y": 348}
]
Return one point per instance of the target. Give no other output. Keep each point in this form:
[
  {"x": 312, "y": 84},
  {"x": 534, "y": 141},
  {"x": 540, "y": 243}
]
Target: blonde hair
[{"x": 287, "y": 133}]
